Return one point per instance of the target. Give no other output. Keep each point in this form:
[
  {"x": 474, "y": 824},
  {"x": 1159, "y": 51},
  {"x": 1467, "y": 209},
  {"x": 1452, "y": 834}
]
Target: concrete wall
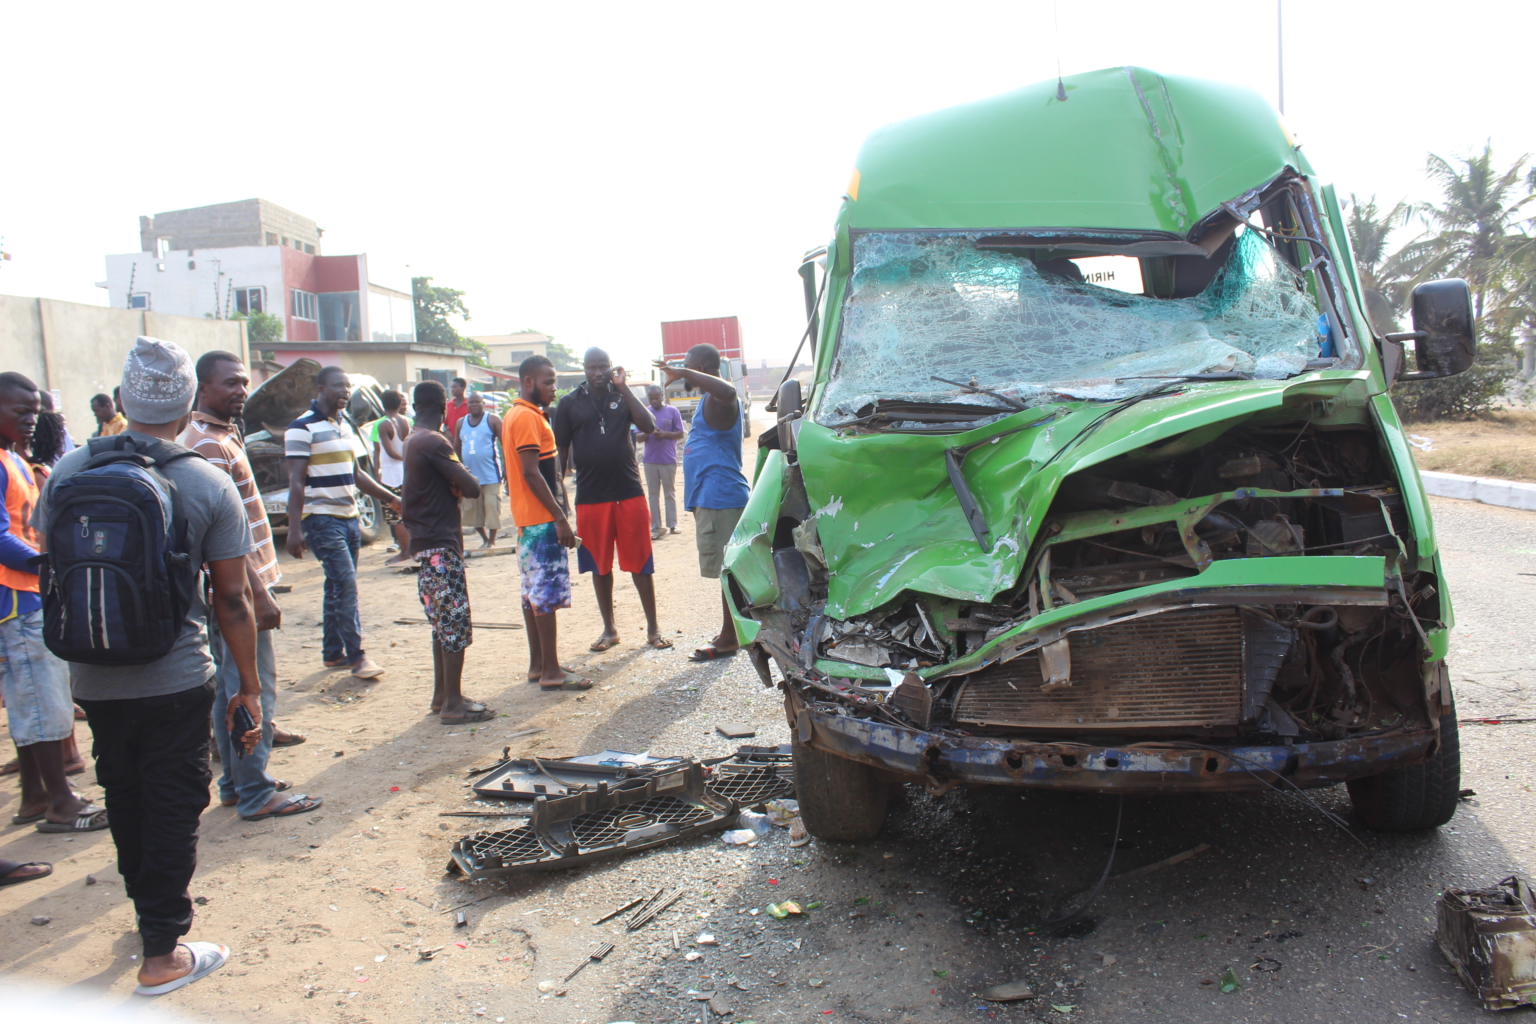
[
  {"x": 227, "y": 225},
  {"x": 78, "y": 350}
]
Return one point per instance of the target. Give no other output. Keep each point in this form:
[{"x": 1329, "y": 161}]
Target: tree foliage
[
  {"x": 1478, "y": 230},
  {"x": 561, "y": 356},
  {"x": 261, "y": 328},
  {"x": 434, "y": 305}
]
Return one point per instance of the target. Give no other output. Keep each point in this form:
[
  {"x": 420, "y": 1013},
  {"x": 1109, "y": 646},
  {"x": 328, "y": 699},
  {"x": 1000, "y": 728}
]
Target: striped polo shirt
[
  {"x": 217, "y": 441},
  {"x": 330, "y": 486}
]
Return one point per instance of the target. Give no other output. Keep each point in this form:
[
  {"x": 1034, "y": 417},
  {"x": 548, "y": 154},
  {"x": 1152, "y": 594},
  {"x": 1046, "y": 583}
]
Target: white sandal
[{"x": 207, "y": 957}]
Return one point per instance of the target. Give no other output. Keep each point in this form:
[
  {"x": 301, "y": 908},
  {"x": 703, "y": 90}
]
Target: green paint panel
[{"x": 1128, "y": 149}]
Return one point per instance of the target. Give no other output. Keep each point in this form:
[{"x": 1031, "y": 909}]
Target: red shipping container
[{"x": 723, "y": 332}]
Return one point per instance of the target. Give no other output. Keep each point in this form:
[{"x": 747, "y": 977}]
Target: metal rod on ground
[
  {"x": 650, "y": 915},
  {"x": 632, "y": 904},
  {"x": 592, "y": 957}
]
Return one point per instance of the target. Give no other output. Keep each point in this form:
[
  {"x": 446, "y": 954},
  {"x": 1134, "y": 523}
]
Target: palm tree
[
  {"x": 1476, "y": 224},
  {"x": 1386, "y": 278}
]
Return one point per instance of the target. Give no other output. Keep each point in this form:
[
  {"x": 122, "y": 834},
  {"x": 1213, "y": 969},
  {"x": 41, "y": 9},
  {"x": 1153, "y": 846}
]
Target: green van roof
[{"x": 1128, "y": 149}]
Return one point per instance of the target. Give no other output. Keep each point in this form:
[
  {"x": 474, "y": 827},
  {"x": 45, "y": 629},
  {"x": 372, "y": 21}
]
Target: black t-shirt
[
  {"x": 596, "y": 429},
  {"x": 429, "y": 508}
]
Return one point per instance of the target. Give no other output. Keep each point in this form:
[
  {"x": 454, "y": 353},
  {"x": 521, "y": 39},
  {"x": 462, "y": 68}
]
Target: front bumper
[{"x": 1171, "y": 766}]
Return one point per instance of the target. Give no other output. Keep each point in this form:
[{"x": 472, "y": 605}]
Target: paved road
[{"x": 1317, "y": 925}]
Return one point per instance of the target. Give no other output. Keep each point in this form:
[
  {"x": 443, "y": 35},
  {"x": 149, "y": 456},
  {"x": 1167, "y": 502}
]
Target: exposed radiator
[{"x": 1178, "y": 669}]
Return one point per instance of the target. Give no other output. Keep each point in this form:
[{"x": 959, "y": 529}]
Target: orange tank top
[{"x": 20, "y": 498}]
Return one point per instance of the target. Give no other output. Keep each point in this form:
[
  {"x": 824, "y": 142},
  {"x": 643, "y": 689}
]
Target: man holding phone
[
  {"x": 222, "y": 383},
  {"x": 150, "y": 722}
]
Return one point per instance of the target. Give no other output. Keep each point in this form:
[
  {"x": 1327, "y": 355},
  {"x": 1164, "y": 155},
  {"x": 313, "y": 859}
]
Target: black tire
[
  {"x": 840, "y": 800},
  {"x": 370, "y": 518},
  {"x": 1419, "y": 797}
]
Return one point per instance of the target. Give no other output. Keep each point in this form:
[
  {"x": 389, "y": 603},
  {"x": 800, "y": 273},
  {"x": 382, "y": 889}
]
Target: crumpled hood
[
  {"x": 888, "y": 518},
  {"x": 282, "y": 398}
]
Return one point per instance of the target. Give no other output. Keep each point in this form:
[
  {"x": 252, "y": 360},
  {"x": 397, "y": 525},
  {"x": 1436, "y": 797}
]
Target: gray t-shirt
[{"x": 217, "y": 528}]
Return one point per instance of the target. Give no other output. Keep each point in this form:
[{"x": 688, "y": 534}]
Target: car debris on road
[{"x": 1489, "y": 936}]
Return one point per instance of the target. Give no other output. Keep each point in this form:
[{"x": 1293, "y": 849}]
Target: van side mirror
[
  {"x": 1444, "y": 334},
  {"x": 788, "y": 402}
]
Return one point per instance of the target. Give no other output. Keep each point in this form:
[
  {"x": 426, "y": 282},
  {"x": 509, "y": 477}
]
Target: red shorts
[{"x": 623, "y": 524}]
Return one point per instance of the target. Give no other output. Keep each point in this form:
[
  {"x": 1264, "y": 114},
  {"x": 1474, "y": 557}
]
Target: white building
[{"x": 320, "y": 298}]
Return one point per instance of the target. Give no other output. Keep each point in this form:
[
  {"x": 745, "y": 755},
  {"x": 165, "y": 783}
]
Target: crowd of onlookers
[{"x": 138, "y": 567}]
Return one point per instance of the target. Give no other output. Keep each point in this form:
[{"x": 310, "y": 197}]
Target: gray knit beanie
[{"x": 158, "y": 382}]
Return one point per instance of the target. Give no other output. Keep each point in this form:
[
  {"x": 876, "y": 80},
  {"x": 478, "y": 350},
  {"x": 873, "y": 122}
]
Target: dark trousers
[{"x": 152, "y": 760}]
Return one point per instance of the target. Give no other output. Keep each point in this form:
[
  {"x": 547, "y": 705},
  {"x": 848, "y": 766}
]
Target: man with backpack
[{"x": 127, "y": 521}]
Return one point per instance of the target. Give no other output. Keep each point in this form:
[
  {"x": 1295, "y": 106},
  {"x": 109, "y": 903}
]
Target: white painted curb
[{"x": 1489, "y": 491}]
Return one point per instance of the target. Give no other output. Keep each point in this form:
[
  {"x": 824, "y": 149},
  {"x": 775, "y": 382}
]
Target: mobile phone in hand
[{"x": 244, "y": 723}]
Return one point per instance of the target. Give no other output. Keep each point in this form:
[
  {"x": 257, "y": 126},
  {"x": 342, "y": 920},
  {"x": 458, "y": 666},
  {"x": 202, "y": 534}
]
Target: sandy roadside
[{"x": 333, "y": 903}]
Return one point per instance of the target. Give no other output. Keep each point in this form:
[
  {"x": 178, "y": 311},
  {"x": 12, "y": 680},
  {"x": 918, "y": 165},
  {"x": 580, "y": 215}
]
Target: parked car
[
  {"x": 283, "y": 398},
  {"x": 1099, "y": 484}
]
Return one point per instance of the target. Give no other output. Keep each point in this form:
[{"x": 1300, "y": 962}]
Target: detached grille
[{"x": 1182, "y": 669}]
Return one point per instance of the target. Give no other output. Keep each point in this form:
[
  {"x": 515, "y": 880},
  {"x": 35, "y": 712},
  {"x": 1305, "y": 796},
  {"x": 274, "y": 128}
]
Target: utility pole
[{"x": 1280, "y": 47}]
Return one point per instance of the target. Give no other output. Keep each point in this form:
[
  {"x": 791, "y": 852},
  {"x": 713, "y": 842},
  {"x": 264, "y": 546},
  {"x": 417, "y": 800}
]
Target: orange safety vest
[{"x": 20, "y": 499}]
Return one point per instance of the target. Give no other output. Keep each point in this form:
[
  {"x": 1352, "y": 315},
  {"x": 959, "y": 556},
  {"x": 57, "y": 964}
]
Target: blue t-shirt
[{"x": 712, "y": 476}]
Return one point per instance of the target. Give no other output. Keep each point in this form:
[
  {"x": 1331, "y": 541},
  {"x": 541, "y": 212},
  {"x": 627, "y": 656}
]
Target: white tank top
[{"x": 391, "y": 470}]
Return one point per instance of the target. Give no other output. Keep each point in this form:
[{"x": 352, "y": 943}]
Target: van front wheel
[
  {"x": 1419, "y": 797},
  {"x": 840, "y": 800}
]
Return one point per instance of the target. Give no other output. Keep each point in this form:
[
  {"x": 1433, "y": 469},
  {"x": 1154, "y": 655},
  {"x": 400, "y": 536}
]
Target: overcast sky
[{"x": 589, "y": 170}]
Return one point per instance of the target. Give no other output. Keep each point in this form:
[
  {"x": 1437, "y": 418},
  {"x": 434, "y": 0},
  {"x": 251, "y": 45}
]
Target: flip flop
[
  {"x": 6, "y": 879},
  {"x": 289, "y": 739},
  {"x": 603, "y": 643},
  {"x": 90, "y": 819},
  {"x": 708, "y": 653},
  {"x": 207, "y": 957},
  {"x": 661, "y": 643},
  {"x": 470, "y": 704},
  {"x": 280, "y": 785},
  {"x": 569, "y": 684},
  {"x": 483, "y": 715},
  {"x": 296, "y": 804},
  {"x": 28, "y": 819},
  {"x": 535, "y": 679}
]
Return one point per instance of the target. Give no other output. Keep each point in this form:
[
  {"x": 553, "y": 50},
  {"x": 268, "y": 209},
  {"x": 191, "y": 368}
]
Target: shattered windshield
[{"x": 921, "y": 306}]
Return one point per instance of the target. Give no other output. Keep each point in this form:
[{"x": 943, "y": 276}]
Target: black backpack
[{"x": 117, "y": 580}]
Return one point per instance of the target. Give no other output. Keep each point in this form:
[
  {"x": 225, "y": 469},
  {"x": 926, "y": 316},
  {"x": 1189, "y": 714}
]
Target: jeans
[
  {"x": 36, "y": 683},
  {"x": 660, "y": 479},
  {"x": 335, "y": 542},
  {"x": 245, "y": 778},
  {"x": 152, "y": 760}
]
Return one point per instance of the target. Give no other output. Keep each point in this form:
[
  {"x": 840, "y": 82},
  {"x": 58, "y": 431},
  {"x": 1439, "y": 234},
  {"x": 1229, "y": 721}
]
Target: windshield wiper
[
  {"x": 1223, "y": 375},
  {"x": 973, "y": 516},
  {"x": 975, "y": 389}
]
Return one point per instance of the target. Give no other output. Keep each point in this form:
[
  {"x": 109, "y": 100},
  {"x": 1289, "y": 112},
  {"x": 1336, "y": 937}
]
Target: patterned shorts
[
  {"x": 545, "y": 568},
  {"x": 445, "y": 596},
  {"x": 391, "y": 517}
]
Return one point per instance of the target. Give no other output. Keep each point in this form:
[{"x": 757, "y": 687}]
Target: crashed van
[{"x": 1098, "y": 483}]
